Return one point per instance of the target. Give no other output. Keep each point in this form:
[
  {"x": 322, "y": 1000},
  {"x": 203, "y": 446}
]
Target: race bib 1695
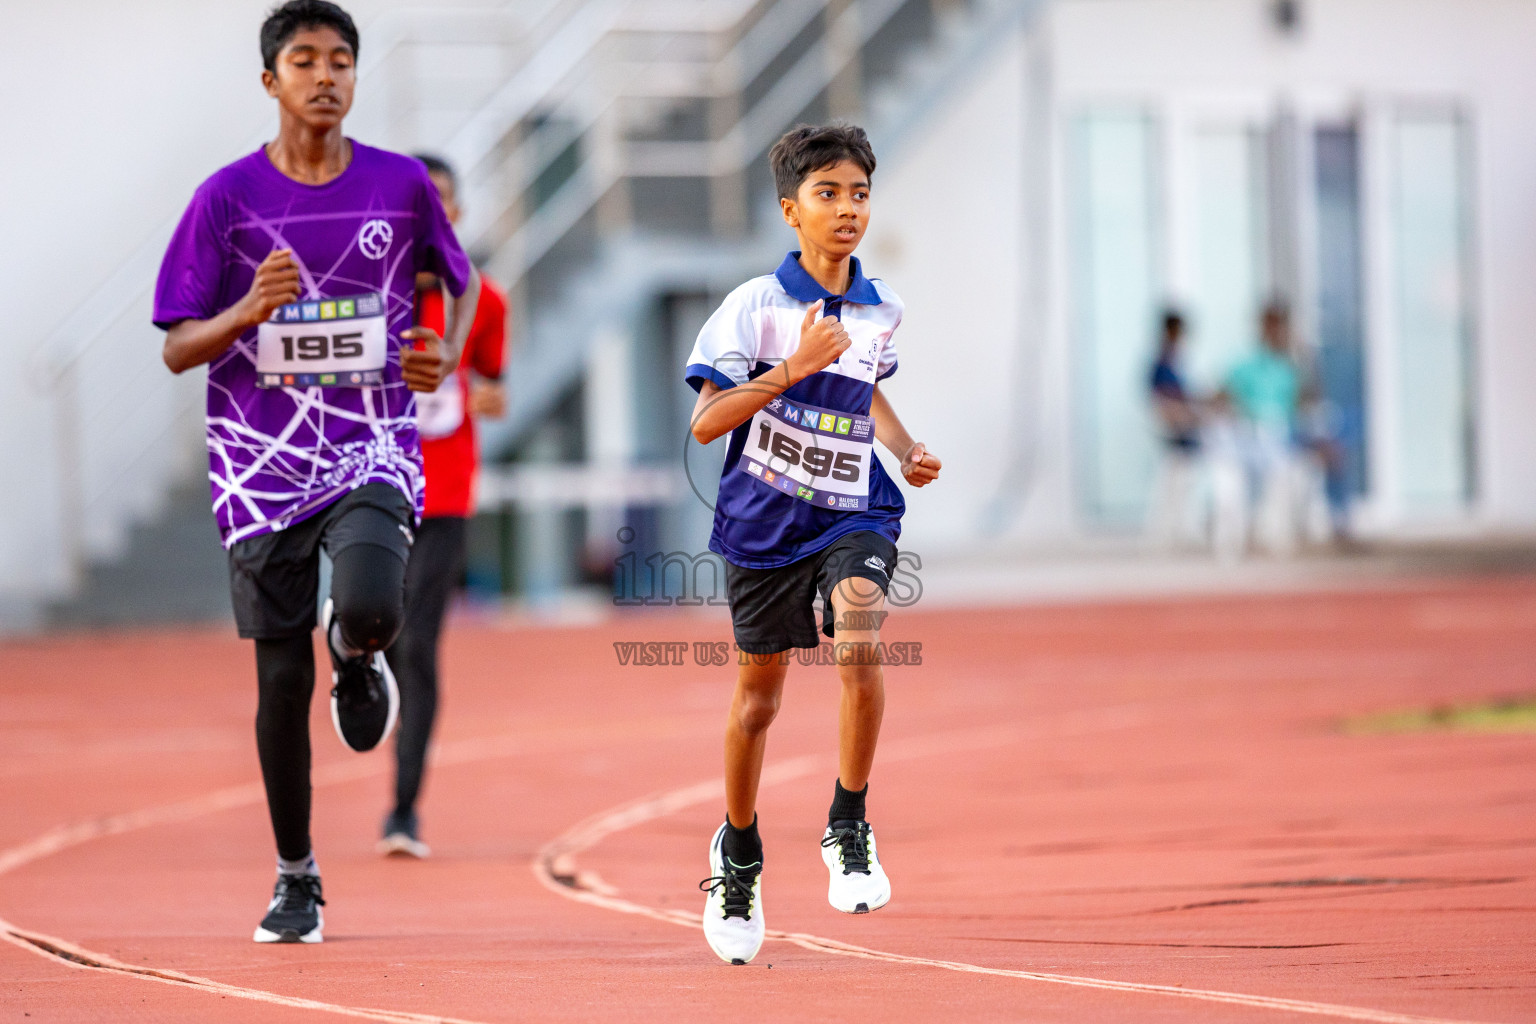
[{"x": 817, "y": 455}]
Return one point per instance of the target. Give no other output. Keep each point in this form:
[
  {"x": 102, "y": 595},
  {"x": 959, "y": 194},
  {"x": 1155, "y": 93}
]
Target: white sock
[
  {"x": 304, "y": 866},
  {"x": 339, "y": 645}
]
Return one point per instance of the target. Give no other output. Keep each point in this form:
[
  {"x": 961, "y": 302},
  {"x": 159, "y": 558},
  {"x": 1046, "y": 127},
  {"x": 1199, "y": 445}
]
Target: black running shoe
[
  {"x": 364, "y": 698},
  {"x": 294, "y": 913},
  {"x": 402, "y": 837}
]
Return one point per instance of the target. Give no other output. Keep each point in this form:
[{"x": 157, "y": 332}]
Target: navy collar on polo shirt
[{"x": 802, "y": 287}]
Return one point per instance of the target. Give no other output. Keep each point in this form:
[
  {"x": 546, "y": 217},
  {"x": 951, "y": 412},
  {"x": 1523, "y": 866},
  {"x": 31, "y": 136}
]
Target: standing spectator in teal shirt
[
  {"x": 1264, "y": 392},
  {"x": 1265, "y": 388}
]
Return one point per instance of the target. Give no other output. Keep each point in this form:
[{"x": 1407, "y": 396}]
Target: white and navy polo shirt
[{"x": 801, "y": 473}]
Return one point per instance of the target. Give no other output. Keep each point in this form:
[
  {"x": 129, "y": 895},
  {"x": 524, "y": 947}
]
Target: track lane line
[
  {"x": 63, "y": 837},
  {"x": 76, "y": 833},
  {"x": 60, "y": 951},
  {"x": 556, "y": 869}
]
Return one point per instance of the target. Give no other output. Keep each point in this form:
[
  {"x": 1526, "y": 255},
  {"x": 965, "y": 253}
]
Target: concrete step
[{"x": 172, "y": 570}]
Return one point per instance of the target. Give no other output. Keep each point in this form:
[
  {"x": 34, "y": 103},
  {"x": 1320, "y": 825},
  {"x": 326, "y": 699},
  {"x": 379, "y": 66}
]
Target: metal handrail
[{"x": 752, "y": 133}]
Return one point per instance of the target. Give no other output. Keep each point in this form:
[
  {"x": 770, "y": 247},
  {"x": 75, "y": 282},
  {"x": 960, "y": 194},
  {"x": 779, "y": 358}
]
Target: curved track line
[
  {"x": 60, "y": 951},
  {"x": 557, "y": 870},
  {"x": 66, "y": 836}
]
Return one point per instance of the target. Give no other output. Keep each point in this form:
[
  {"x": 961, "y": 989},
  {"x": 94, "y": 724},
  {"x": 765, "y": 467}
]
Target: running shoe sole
[
  {"x": 399, "y": 844},
  {"x": 289, "y": 935}
]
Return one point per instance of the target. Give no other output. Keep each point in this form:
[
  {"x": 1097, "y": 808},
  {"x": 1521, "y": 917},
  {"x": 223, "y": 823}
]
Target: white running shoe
[
  {"x": 858, "y": 884},
  {"x": 733, "y": 913}
]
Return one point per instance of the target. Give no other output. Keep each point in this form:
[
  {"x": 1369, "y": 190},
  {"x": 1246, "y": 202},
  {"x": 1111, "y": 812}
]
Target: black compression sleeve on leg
[
  {"x": 437, "y": 561},
  {"x": 285, "y": 680},
  {"x": 368, "y": 586}
]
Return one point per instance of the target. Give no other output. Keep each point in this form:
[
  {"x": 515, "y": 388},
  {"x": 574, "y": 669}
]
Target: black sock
[
  {"x": 847, "y": 806},
  {"x": 743, "y": 847}
]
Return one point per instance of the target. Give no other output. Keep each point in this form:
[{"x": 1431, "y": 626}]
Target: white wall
[
  {"x": 947, "y": 232},
  {"x": 987, "y": 366}
]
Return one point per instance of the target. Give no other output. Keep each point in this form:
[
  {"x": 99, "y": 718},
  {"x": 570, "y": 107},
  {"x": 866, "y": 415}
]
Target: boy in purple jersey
[
  {"x": 789, "y": 365},
  {"x": 292, "y": 275}
]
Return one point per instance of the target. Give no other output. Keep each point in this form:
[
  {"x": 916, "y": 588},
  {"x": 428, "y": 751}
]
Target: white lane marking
[
  {"x": 557, "y": 870},
  {"x": 61, "y": 951},
  {"x": 83, "y": 959},
  {"x": 65, "y": 836}
]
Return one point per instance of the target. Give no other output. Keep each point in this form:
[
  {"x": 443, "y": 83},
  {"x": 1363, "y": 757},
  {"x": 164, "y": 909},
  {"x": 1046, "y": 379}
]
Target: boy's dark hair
[
  {"x": 806, "y": 148},
  {"x": 437, "y": 165},
  {"x": 1173, "y": 322},
  {"x": 294, "y": 15}
]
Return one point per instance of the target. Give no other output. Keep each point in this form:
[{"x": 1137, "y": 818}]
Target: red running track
[{"x": 1132, "y": 812}]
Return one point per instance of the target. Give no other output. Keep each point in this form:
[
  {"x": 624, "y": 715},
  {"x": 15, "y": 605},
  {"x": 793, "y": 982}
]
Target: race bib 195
[
  {"x": 341, "y": 342},
  {"x": 817, "y": 455}
]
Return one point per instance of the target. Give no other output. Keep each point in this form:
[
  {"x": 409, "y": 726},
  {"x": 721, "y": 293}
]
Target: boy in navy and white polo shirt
[{"x": 789, "y": 365}]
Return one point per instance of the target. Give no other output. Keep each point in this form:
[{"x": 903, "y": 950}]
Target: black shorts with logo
[
  {"x": 274, "y": 578},
  {"x": 773, "y": 610}
]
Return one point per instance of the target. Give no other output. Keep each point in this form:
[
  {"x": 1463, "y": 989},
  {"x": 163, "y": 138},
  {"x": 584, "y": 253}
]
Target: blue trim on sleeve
[
  {"x": 697, "y": 373},
  {"x": 887, "y": 373}
]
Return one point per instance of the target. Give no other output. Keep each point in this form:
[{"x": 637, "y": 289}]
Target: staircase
[
  {"x": 639, "y": 167},
  {"x": 172, "y": 570}
]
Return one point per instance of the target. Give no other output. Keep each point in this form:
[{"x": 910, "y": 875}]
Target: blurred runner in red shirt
[{"x": 445, "y": 418}]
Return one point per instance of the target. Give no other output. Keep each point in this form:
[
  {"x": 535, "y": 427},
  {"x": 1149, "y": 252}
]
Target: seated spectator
[{"x": 1177, "y": 515}]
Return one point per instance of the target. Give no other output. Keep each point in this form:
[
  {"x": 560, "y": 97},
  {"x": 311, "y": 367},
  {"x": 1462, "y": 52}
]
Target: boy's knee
[
  {"x": 370, "y": 623},
  {"x": 860, "y": 671},
  {"x": 756, "y": 711},
  {"x": 285, "y": 672},
  {"x": 368, "y": 586}
]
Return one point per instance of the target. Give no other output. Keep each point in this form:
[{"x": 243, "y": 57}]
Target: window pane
[
  {"x": 1434, "y": 433},
  {"x": 1340, "y": 301},
  {"x": 1229, "y": 249},
  {"x": 1114, "y": 297}
]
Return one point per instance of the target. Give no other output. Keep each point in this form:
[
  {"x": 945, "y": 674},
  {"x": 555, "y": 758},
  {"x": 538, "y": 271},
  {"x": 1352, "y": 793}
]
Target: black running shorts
[
  {"x": 274, "y": 579},
  {"x": 773, "y": 610}
]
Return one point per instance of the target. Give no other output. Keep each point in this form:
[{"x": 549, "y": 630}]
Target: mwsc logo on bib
[{"x": 375, "y": 238}]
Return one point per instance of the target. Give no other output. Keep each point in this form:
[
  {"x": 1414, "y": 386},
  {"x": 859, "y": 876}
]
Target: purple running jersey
[{"x": 279, "y": 454}]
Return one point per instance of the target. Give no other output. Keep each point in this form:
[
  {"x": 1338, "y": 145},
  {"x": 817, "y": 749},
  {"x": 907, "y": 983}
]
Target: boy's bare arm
[
  {"x": 192, "y": 343},
  {"x": 424, "y": 368},
  {"x": 918, "y": 464},
  {"x": 721, "y": 410}
]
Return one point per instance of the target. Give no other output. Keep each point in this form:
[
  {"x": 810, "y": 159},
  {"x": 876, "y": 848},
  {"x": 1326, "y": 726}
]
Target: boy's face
[
  {"x": 830, "y": 210},
  {"x": 446, "y": 192},
  {"x": 316, "y": 74}
]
